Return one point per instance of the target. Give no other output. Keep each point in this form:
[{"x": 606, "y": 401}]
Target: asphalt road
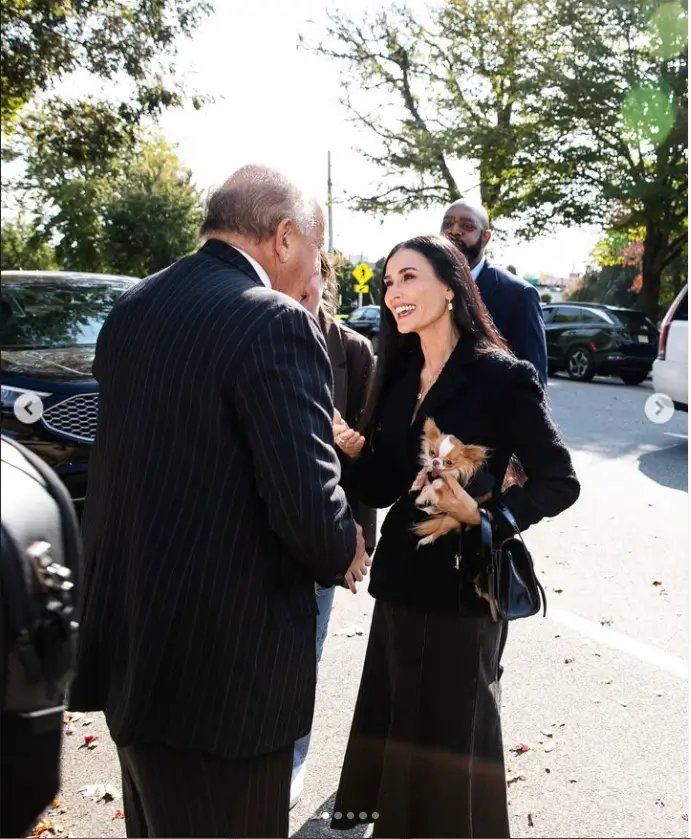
[{"x": 598, "y": 690}]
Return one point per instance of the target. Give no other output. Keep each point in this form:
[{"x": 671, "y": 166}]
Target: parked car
[
  {"x": 586, "y": 339},
  {"x": 49, "y": 323},
  {"x": 671, "y": 367},
  {"x": 366, "y": 321}
]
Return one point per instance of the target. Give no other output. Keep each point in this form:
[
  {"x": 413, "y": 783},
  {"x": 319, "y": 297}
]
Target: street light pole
[{"x": 329, "y": 204}]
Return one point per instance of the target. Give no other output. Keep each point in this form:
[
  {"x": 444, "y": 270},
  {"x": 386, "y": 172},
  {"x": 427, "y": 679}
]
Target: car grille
[{"x": 74, "y": 417}]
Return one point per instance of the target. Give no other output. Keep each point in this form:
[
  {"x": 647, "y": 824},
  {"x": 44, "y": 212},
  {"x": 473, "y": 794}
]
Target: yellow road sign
[
  {"x": 363, "y": 273},
  {"x": 361, "y": 289}
]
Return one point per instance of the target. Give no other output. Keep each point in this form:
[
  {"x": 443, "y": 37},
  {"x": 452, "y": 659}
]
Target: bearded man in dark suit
[
  {"x": 513, "y": 303},
  {"x": 213, "y": 507}
]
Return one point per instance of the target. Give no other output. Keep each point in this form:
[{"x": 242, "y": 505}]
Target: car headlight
[{"x": 10, "y": 394}]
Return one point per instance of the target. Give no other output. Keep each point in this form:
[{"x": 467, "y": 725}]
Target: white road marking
[
  {"x": 644, "y": 652},
  {"x": 679, "y": 436}
]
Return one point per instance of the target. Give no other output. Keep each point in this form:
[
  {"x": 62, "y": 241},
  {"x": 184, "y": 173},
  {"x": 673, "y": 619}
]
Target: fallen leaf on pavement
[
  {"x": 685, "y": 816},
  {"x": 89, "y": 740},
  {"x": 111, "y": 793},
  {"x": 623, "y": 704},
  {"x": 69, "y": 730},
  {"x": 76, "y": 716},
  {"x": 87, "y": 721},
  {"x": 531, "y": 822},
  {"x": 119, "y": 814},
  {"x": 607, "y": 682},
  {"x": 100, "y": 792},
  {"x": 547, "y": 770},
  {"x": 511, "y": 779},
  {"x": 657, "y": 582},
  {"x": 558, "y": 590},
  {"x": 520, "y": 749},
  {"x": 606, "y": 621},
  {"x": 550, "y": 747},
  {"x": 569, "y": 660},
  {"x": 41, "y": 827},
  {"x": 546, "y": 733},
  {"x": 660, "y": 802},
  {"x": 95, "y": 791}
]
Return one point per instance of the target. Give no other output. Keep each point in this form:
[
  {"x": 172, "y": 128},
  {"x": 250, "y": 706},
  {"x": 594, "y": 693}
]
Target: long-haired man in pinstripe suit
[{"x": 213, "y": 506}]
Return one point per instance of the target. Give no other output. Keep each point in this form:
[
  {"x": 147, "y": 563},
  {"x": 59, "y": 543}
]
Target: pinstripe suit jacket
[{"x": 212, "y": 507}]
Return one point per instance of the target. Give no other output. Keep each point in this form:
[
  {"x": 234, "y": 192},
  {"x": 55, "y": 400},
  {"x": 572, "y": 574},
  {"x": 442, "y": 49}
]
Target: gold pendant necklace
[{"x": 425, "y": 391}]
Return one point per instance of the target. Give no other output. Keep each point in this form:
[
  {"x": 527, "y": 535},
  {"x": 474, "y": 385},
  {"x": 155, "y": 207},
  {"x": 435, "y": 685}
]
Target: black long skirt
[{"x": 425, "y": 755}]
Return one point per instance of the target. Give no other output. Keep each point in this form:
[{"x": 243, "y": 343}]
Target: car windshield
[
  {"x": 633, "y": 321},
  {"x": 53, "y": 315}
]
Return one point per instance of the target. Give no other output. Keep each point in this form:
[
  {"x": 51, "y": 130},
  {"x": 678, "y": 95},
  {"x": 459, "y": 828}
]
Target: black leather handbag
[
  {"x": 514, "y": 590},
  {"x": 40, "y": 565}
]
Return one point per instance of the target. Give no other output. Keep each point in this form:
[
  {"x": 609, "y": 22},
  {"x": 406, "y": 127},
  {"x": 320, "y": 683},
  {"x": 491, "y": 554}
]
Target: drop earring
[{"x": 450, "y": 306}]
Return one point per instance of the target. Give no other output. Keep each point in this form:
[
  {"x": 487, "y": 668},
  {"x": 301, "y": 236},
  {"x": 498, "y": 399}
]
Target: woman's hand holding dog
[
  {"x": 347, "y": 439},
  {"x": 460, "y": 506}
]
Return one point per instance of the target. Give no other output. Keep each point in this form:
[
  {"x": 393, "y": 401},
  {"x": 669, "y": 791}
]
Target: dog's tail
[{"x": 431, "y": 526}]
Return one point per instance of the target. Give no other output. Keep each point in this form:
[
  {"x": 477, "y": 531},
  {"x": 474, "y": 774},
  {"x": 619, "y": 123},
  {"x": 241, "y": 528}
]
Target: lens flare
[
  {"x": 668, "y": 30},
  {"x": 648, "y": 114}
]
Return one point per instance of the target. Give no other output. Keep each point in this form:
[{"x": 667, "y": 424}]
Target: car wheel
[
  {"x": 636, "y": 378},
  {"x": 579, "y": 364}
]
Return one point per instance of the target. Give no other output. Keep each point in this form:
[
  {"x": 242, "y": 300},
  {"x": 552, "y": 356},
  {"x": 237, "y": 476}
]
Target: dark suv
[
  {"x": 366, "y": 321},
  {"x": 586, "y": 339},
  {"x": 49, "y": 322}
]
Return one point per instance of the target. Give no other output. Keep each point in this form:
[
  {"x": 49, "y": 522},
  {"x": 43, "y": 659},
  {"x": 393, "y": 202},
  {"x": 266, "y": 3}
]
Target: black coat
[
  {"x": 515, "y": 308},
  {"x": 487, "y": 399},
  {"x": 213, "y": 506},
  {"x": 352, "y": 360}
]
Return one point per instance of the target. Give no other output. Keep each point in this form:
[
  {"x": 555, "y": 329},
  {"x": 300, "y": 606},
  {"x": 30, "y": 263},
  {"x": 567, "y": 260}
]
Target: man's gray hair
[{"x": 254, "y": 201}]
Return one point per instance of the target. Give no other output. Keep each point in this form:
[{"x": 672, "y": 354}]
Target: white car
[{"x": 671, "y": 367}]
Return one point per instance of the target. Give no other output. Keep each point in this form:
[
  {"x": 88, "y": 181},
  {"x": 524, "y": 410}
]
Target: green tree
[
  {"x": 23, "y": 248},
  {"x": 43, "y": 41},
  {"x": 72, "y": 155},
  {"x": 131, "y": 209},
  {"x": 154, "y": 215},
  {"x": 570, "y": 113},
  {"x": 346, "y": 290},
  {"x": 462, "y": 86},
  {"x": 618, "y": 100}
]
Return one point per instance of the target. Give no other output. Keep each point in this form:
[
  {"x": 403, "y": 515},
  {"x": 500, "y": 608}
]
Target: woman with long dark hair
[{"x": 425, "y": 754}]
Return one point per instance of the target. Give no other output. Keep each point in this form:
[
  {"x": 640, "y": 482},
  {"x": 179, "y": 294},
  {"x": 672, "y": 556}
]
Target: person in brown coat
[{"x": 352, "y": 361}]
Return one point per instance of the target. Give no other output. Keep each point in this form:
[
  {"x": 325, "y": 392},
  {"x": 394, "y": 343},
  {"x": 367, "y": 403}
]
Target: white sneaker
[{"x": 297, "y": 785}]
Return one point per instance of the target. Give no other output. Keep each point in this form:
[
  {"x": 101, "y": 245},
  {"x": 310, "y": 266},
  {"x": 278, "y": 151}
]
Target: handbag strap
[
  {"x": 486, "y": 537},
  {"x": 504, "y": 511}
]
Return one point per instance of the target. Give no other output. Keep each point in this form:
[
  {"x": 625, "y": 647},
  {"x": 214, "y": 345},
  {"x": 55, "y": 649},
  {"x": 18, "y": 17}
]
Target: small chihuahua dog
[{"x": 445, "y": 462}]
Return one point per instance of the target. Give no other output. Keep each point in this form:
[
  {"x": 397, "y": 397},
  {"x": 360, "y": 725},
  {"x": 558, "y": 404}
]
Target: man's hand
[
  {"x": 358, "y": 567},
  {"x": 347, "y": 439}
]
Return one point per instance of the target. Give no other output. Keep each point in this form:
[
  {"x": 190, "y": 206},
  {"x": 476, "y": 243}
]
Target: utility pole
[{"x": 329, "y": 204}]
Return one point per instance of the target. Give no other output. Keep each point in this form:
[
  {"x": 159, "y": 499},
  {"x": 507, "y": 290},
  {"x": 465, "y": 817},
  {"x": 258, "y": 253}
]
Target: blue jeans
[{"x": 325, "y": 601}]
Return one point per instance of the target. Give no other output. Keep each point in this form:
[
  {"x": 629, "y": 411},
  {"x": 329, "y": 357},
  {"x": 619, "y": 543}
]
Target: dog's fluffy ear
[
  {"x": 430, "y": 428},
  {"x": 476, "y": 454}
]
